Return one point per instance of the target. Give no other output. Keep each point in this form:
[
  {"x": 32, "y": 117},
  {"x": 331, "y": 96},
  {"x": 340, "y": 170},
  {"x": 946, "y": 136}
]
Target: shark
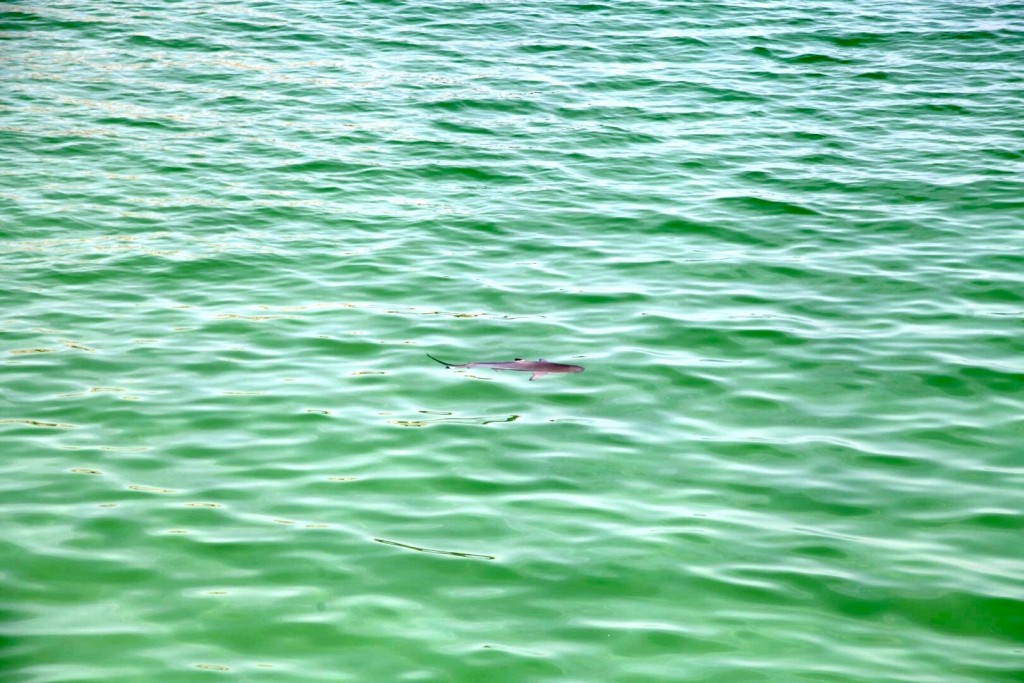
[{"x": 539, "y": 368}]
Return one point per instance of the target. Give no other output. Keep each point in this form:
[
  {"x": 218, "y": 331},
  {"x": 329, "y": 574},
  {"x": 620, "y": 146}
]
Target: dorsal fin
[{"x": 518, "y": 359}]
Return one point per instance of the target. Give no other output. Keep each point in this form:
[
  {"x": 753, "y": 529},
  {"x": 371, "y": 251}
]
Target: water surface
[{"x": 783, "y": 238}]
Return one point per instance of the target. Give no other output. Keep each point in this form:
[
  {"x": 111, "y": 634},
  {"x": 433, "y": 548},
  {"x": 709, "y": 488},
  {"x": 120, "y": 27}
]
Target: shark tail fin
[{"x": 447, "y": 365}]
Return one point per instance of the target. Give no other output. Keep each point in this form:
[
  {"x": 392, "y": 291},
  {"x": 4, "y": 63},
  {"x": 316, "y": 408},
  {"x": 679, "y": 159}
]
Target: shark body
[{"x": 538, "y": 368}]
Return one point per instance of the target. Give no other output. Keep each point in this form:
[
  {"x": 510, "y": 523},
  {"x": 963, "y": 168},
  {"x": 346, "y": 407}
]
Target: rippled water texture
[{"x": 784, "y": 239}]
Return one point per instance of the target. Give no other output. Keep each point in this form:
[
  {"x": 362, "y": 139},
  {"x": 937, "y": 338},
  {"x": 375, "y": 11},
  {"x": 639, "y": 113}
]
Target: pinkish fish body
[{"x": 539, "y": 368}]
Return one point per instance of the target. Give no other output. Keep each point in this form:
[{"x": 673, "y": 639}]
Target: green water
[{"x": 784, "y": 238}]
